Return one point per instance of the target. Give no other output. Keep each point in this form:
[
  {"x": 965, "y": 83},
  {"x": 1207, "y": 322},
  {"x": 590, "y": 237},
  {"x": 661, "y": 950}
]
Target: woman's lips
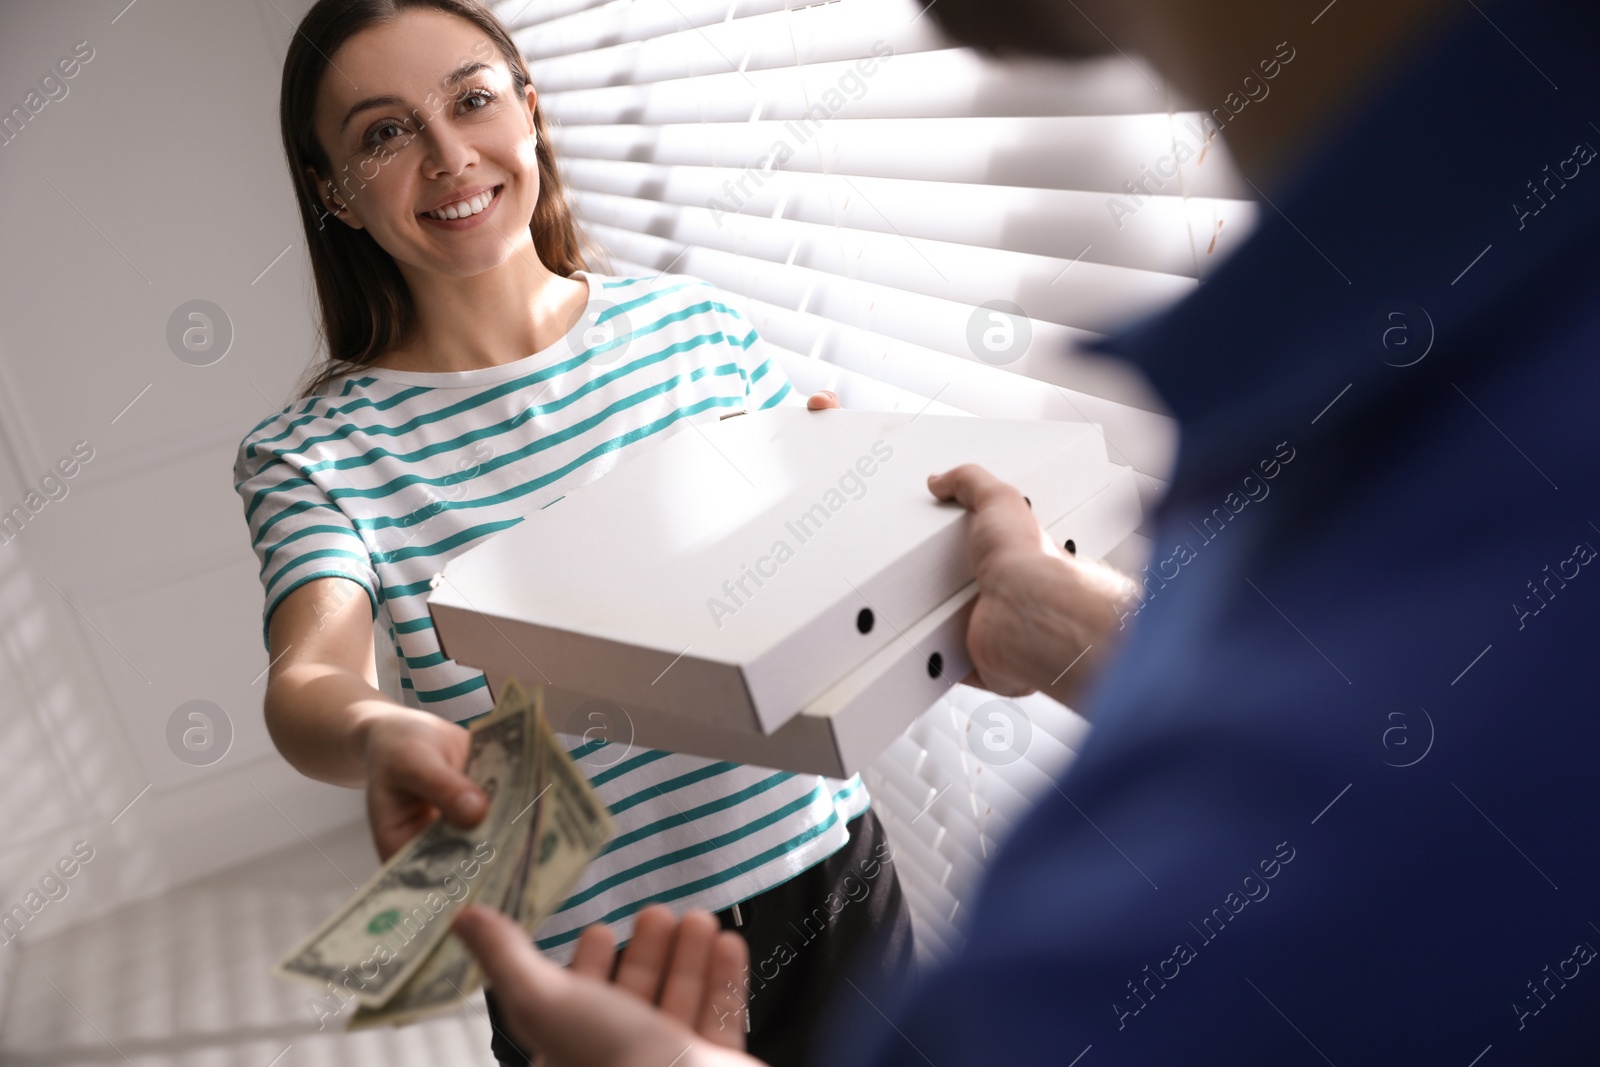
[{"x": 468, "y": 221}]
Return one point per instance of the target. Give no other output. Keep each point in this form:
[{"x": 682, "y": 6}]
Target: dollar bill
[
  {"x": 451, "y": 973},
  {"x": 555, "y": 836},
  {"x": 382, "y": 935},
  {"x": 573, "y": 829}
]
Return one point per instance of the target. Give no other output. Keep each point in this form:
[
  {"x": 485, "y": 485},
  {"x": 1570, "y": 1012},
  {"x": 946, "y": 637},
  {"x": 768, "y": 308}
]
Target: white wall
[{"x": 157, "y": 179}]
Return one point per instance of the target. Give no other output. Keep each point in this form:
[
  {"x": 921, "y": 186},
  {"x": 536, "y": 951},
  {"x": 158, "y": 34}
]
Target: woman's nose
[{"x": 448, "y": 149}]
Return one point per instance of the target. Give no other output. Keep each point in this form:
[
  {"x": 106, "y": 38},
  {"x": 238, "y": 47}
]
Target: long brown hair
[{"x": 366, "y": 306}]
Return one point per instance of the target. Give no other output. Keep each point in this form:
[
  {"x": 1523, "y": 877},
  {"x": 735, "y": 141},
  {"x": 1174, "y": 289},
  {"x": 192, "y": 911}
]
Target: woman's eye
[{"x": 375, "y": 141}]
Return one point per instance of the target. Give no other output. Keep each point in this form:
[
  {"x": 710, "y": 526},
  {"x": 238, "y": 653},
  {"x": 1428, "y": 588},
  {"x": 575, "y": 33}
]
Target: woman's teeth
[{"x": 465, "y": 208}]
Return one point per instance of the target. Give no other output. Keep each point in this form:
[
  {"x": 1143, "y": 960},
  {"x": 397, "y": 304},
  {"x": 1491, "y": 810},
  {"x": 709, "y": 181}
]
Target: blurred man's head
[
  {"x": 1206, "y": 48},
  {"x": 1021, "y": 27}
]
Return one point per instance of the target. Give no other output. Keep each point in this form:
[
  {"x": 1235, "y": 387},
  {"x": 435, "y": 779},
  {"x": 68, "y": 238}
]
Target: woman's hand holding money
[{"x": 414, "y": 775}]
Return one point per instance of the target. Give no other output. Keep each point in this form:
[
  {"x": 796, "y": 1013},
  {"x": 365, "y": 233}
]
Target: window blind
[{"x": 916, "y": 227}]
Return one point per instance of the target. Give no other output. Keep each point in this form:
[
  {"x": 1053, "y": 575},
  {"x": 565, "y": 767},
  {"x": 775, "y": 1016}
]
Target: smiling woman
[
  {"x": 425, "y": 110},
  {"x": 477, "y": 370}
]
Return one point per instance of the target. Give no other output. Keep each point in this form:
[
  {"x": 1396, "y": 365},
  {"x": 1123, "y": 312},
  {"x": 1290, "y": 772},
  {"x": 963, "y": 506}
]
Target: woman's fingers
[
  {"x": 421, "y": 769},
  {"x": 644, "y": 960},
  {"x": 825, "y": 399},
  {"x": 395, "y": 819},
  {"x": 413, "y": 775},
  {"x": 684, "y": 990}
]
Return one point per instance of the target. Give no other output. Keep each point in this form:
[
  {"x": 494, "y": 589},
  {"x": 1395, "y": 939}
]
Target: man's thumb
[
  {"x": 502, "y": 946},
  {"x": 514, "y": 969}
]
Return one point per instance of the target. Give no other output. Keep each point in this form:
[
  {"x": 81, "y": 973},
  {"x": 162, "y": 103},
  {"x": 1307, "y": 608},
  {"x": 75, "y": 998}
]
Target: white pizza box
[
  {"x": 735, "y": 571},
  {"x": 845, "y": 728}
]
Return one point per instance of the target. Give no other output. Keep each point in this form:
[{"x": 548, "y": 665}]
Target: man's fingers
[
  {"x": 723, "y": 1012},
  {"x": 568, "y": 1018},
  {"x": 644, "y": 960},
  {"x": 684, "y": 991},
  {"x": 969, "y": 484},
  {"x": 596, "y": 953},
  {"x": 689, "y": 969}
]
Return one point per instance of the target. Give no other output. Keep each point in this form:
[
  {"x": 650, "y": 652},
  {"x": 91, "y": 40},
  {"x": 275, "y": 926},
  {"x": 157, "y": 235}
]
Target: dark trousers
[{"x": 843, "y": 917}]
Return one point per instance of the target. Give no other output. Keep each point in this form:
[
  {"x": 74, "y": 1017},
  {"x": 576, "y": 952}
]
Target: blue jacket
[{"x": 1341, "y": 802}]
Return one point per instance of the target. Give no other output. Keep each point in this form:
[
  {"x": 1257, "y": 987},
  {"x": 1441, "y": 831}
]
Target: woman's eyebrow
[{"x": 466, "y": 70}]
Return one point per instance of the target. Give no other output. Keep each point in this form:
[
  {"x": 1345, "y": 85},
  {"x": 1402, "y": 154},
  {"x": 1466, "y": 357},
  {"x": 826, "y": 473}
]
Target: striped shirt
[{"x": 383, "y": 476}]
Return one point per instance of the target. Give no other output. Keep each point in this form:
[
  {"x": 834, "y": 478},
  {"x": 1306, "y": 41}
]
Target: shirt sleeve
[
  {"x": 298, "y": 533},
  {"x": 766, "y": 384}
]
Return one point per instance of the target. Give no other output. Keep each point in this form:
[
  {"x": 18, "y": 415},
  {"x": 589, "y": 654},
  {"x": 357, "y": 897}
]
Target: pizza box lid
[{"x": 735, "y": 571}]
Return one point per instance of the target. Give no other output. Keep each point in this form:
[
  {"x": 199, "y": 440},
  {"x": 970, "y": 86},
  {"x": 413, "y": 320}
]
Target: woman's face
[{"x": 418, "y": 113}]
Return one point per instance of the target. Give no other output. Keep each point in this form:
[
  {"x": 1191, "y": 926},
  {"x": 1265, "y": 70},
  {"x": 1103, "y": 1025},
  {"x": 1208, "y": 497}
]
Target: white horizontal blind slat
[
  {"x": 520, "y": 14},
  {"x": 624, "y": 21},
  {"x": 1099, "y": 296},
  {"x": 1047, "y": 222},
  {"x": 913, "y": 85},
  {"x": 764, "y": 41},
  {"x": 1091, "y": 152}
]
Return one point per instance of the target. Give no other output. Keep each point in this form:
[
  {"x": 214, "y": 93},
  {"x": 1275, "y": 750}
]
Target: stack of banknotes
[{"x": 389, "y": 947}]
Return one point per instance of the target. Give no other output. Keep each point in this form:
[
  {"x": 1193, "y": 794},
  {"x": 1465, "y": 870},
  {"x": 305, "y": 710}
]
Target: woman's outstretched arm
[{"x": 328, "y": 718}]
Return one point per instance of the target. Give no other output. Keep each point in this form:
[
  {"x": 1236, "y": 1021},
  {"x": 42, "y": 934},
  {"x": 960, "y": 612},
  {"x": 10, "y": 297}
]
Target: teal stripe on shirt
[
  {"x": 321, "y": 553},
  {"x": 479, "y": 398},
  {"x": 700, "y": 774},
  {"x": 272, "y": 605},
  {"x": 709, "y": 881},
  {"x": 266, "y": 559},
  {"x": 613, "y": 773},
  {"x": 548, "y": 441},
  {"x": 444, "y": 544},
  {"x": 433, "y": 696},
  {"x": 699, "y": 848},
  {"x": 678, "y": 818},
  {"x": 535, "y": 484},
  {"x": 777, "y": 398}
]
